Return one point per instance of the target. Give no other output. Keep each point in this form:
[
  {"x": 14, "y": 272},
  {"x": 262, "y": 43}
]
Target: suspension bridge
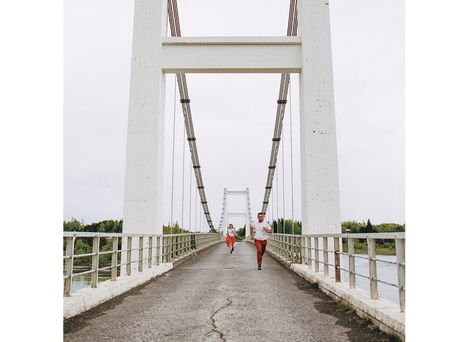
[{"x": 185, "y": 287}]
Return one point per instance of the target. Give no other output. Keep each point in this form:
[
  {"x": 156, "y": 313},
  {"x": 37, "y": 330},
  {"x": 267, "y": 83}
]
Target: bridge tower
[
  {"x": 154, "y": 54},
  {"x": 226, "y": 214}
]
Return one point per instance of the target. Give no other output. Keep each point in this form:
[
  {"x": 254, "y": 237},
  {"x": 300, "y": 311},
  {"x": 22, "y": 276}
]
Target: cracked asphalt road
[{"x": 218, "y": 296}]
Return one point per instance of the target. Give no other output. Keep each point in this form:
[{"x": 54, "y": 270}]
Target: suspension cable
[
  {"x": 277, "y": 204},
  {"x": 272, "y": 207},
  {"x": 190, "y": 204},
  {"x": 282, "y": 166},
  {"x": 281, "y": 104},
  {"x": 291, "y": 146},
  {"x": 185, "y": 101},
  {"x": 173, "y": 154},
  {"x": 196, "y": 217},
  {"x": 183, "y": 181}
]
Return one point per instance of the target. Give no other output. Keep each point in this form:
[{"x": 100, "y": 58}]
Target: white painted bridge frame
[
  {"x": 154, "y": 55},
  {"x": 226, "y": 214}
]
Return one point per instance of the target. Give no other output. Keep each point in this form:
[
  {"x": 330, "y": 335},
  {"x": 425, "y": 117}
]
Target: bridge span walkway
[{"x": 217, "y": 296}]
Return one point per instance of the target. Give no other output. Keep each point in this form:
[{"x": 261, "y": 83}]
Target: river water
[
  {"x": 386, "y": 272},
  {"x": 83, "y": 281}
]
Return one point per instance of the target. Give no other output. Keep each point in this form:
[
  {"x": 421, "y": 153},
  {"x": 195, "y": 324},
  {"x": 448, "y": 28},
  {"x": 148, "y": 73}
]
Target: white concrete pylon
[
  {"x": 319, "y": 162},
  {"x": 143, "y": 201}
]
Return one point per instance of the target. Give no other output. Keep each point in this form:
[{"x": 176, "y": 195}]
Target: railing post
[
  {"x": 352, "y": 264},
  {"x": 303, "y": 247},
  {"x": 299, "y": 248},
  {"x": 115, "y": 247},
  {"x": 283, "y": 246},
  {"x": 309, "y": 251},
  {"x": 316, "y": 252},
  {"x": 372, "y": 268},
  {"x": 293, "y": 248},
  {"x": 158, "y": 250},
  {"x": 150, "y": 252},
  {"x": 69, "y": 252},
  {"x": 179, "y": 245},
  {"x": 140, "y": 254},
  {"x": 400, "y": 255},
  {"x": 166, "y": 248},
  {"x": 325, "y": 256},
  {"x": 167, "y": 251},
  {"x": 95, "y": 262},
  {"x": 336, "y": 245},
  {"x": 277, "y": 246},
  {"x": 280, "y": 246},
  {"x": 129, "y": 255},
  {"x": 169, "y": 248}
]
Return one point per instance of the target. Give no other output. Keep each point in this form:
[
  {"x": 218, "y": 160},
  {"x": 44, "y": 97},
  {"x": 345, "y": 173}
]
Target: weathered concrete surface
[{"x": 219, "y": 296}]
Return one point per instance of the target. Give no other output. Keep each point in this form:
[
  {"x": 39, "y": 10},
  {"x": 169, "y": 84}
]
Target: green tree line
[{"x": 360, "y": 245}]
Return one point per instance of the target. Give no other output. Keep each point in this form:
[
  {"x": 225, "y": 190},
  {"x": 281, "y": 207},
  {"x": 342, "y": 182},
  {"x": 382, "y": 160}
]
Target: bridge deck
[{"x": 218, "y": 296}]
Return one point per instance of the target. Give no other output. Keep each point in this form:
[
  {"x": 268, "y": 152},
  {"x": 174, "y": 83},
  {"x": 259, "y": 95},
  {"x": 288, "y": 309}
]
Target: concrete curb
[
  {"x": 382, "y": 313},
  {"x": 88, "y": 298}
]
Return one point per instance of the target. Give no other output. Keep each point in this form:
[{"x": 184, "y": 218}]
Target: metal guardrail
[
  {"x": 305, "y": 249},
  {"x": 158, "y": 249}
]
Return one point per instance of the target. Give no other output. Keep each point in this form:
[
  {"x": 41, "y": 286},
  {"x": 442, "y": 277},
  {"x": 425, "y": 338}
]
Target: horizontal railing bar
[
  {"x": 105, "y": 268},
  {"x": 361, "y": 275},
  {"x": 105, "y": 252},
  {"x": 82, "y": 273},
  {"x": 386, "y": 261},
  {"x": 83, "y": 255},
  {"x": 360, "y": 256},
  {"x": 386, "y": 283}
]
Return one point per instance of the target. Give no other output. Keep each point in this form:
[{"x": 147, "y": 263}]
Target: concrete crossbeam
[{"x": 231, "y": 54}]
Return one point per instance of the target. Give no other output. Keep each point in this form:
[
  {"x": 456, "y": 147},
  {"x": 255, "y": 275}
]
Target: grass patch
[
  {"x": 344, "y": 308},
  {"x": 311, "y": 285}
]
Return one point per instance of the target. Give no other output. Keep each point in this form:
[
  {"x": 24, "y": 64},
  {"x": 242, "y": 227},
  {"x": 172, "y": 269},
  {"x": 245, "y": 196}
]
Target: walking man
[
  {"x": 231, "y": 237},
  {"x": 259, "y": 232}
]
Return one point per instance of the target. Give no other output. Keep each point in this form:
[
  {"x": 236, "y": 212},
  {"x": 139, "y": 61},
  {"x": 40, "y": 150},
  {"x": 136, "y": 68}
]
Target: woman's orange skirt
[{"x": 230, "y": 240}]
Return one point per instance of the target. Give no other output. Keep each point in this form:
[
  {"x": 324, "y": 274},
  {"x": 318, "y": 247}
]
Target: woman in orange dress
[{"x": 231, "y": 237}]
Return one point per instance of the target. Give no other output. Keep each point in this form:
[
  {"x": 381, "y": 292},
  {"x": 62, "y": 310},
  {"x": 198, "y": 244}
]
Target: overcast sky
[{"x": 234, "y": 114}]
